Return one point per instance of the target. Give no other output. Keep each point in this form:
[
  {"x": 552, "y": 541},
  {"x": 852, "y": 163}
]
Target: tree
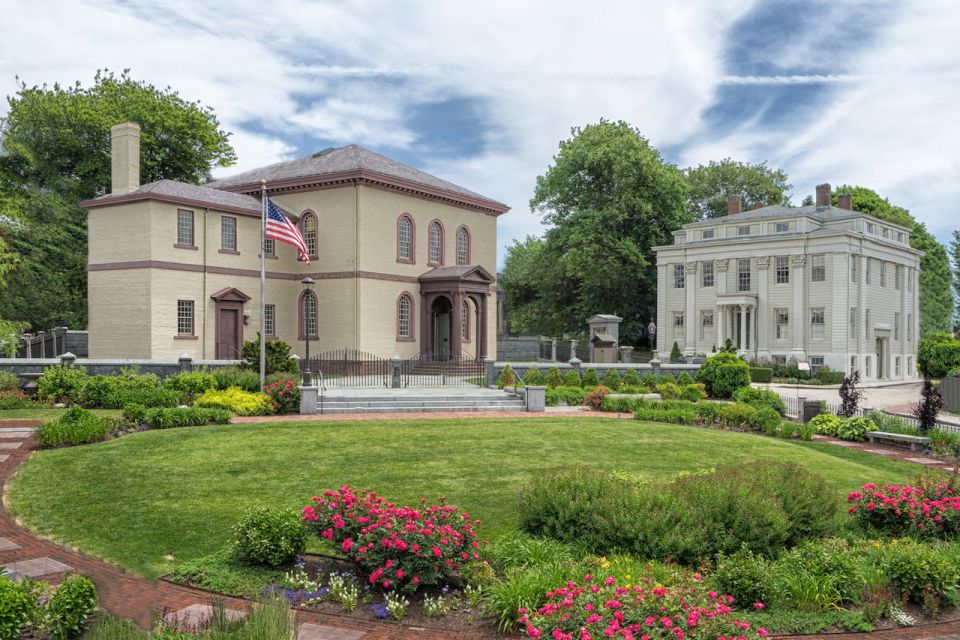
[
  {"x": 936, "y": 299},
  {"x": 955, "y": 264},
  {"x": 850, "y": 395},
  {"x": 926, "y": 411},
  {"x": 609, "y": 198},
  {"x": 8, "y": 330},
  {"x": 55, "y": 151},
  {"x": 710, "y": 185}
]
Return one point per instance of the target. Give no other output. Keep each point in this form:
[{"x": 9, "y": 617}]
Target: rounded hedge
[
  {"x": 723, "y": 374},
  {"x": 270, "y": 537}
]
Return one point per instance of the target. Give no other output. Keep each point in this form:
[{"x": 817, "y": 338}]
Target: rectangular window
[
  {"x": 816, "y": 363},
  {"x": 706, "y": 324},
  {"x": 781, "y": 227},
  {"x": 269, "y": 247},
  {"x": 679, "y": 276},
  {"x": 184, "y": 317},
  {"x": 871, "y": 228},
  {"x": 818, "y": 268},
  {"x": 896, "y": 366},
  {"x": 782, "y": 324},
  {"x": 779, "y": 359},
  {"x": 853, "y": 268},
  {"x": 896, "y": 325},
  {"x": 897, "y": 277},
  {"x": 867, "y": 263},
  {"x": 185, "y": 227},
  {"x": 909, "y": 364},
  {"x": 818, "y": 325},
  {"x": 743, "y": 231},
  {"x": 909, "y": 327},
  {"x": 883, "y": 273},
  {"x": 269, "y": 320},
  {"x": 866, "y": 324},
  {"x": 707, "y": 277},
  {"x": 706, "y": 234},
  {"x": 783, "y": 270},
  {"x": 886, "y": 232},
  {"x": 743, "y": 274},
  {"x": 678, "y": 319},
  {"x": 853, "y": 322},
  {"x": 867, "y": 362},
  {"x": 853, "y": 364},
  {"x": 228, "y": 233},
  {"x": 900, "y": 236}
]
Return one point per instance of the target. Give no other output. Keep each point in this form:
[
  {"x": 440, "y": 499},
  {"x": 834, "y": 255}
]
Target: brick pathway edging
[{"x": 138, "y": 599}]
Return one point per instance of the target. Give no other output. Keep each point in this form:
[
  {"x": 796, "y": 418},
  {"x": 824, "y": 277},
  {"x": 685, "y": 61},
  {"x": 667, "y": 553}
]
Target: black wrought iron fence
[
  {"x": 427, "y": 371},
  {"x": 351, "y": 368}
]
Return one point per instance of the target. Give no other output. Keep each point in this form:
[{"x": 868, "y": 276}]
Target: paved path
[
  {"x": 875, "y": 397},
  {"x": 128, "y": 596}
]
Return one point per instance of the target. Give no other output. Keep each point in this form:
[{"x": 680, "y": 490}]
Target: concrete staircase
[{"x": 421, "y": 400}]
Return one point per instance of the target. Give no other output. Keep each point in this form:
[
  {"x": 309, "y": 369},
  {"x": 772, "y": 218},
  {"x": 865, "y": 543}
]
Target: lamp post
[
  {"x": 307, "y": 283},
  {"x": 652, "y": 330}
]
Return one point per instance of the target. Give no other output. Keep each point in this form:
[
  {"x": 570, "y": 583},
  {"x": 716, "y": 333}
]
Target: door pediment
[{"x": 230, "y": 294}]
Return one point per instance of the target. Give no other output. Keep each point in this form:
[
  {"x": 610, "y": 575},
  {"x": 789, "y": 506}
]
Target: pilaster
[
  {"x": 761, "y": 313},
  {"x": 798, "y": 312},
  {"x": 690, "y": 335}
]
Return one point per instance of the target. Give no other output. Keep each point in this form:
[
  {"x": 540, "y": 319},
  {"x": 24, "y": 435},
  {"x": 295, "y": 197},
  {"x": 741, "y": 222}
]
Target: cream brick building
[
  {"x": 402, "y": 260},
  {"x": 823, "y": 283}
]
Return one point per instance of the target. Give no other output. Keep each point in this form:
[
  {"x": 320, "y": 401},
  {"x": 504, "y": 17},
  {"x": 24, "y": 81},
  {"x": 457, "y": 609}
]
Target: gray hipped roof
[
  {"x": 186, "y": 192},
  {"x": 822, "y": 214}
]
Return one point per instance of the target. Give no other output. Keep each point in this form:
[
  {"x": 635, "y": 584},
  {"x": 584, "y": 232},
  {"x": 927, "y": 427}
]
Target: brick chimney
[
  {"x": 733, "y": 204},
  {"x": 845, "y": 201},
  {"x": 823, "y": 195},
  {"x": 756, "y": 205},
  {"x": 125, "y": 158}
]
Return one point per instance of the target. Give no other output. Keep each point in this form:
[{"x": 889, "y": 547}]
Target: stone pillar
[
  {"x": 426, "y": 327},
  {"x": 186, "y": 363},
  {"x": 68, "y": 359},
  {"x": 573, "y": 351},
  {"x": 308, "y": 400},
  {"x": 553, "y": 350},
  {"x": 395, "y": 362},
  {"x": 720, "y": 313},
  {"x": 742, "y": 311},
  {"x": 456, "y": 314},
  {"x": 536, "y": 399},
  {"x": 626, "y": 354},
  {"x": 480, "y": 330},
  {"x": 42, "y": 336},
  {"x": 798, "y": 320},
  {"x": 762, "y": 312},
  {"x": 655, "y": 365},
  {"x": 490, "y": 372},
  {"x": 690, "y": 335}
]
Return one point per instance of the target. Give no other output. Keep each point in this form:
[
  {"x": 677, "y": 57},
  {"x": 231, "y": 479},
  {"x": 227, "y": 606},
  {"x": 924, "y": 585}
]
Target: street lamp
[
  {"x": 307, "y": 283},
  {"x": 652, "y": 330}
]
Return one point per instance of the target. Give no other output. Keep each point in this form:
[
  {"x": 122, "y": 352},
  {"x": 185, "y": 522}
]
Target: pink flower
[{"x": 758, "y": 605}]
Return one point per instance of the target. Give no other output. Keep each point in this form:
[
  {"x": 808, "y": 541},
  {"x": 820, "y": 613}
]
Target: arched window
[
  {"x": 463, "y": 246},
  {"x": 406, "y": 251},
  {"x": 405, "y": 322},
  {"x": 436, "y": 243},
  {"x": 465, "y": 321},
  {"x": 308, "y": 315},
  {"x": 308, "y": 226}
]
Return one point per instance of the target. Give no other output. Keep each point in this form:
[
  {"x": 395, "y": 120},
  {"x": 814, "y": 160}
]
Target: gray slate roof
[
  {"x": 341, "y": 159},
  {"x": 823, "y": 214},
  {"x": 183, "y": 190}
]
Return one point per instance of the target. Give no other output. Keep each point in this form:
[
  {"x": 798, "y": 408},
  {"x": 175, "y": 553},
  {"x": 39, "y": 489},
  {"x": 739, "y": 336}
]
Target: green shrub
[
  {"x": 16, "y": 607},
  {"x": 14, "y": 399},
  {"x": 806, "y": 431},
  {"x": 684, "y": 379},
  {"x": 508, "y": 378},
  {"x": 826, "y": 376},
  {"x": 518, "y": 549},
  {"x": 761, "y": 374},
  {"x": 672, "y": 416},
  {"x": 242, "y": 403},
  {"x": 8, "y": 381},
  {"x": 191, "y": 384},
  {"x": 761, "y": 398},
  {"x": 611, "y": 380},
  {"x": 917, "y": 568},
  {"x": 693, "y": 392},
  {"x": 807, "y": 499},
  {"x": 568, "y": 396},
  {"x": 532, "y": 377},
  {"x": 788, "y": 429},
  {"x": 666, "y": 378},
  {"x": 135, "y": 414},
  {"x": 649, "y": 380},
  {"x": 590, "y": 379},
  {"x": 269, "y": 537},
  {"x": 284, "y": 391},
  {"x": 668, "y": 391},
  {"x": 60, "y": 383},
  {"x": 277, "y": 354},
  {"x": 891, "y": 424},
  {"x": 826, "y": 424},
  {"x": 675, "y": 354},
  {"x": 235, "y": 377},
  {"x": 70, "y": 606},
  {"x": 117, "y": 391},
  {"x": 764, "y": 419},
  {"x": 736, "y": 415},
  {"x": 938, "y": 354},
  {"x": 855, "y": 429},
  {"x": 572, "y": 379},
  {"x": 158, "y": 397},
  {"x": 526, "y": 589},
  {"x": 554, "y": 377},
  {"x": 631, "y": 379},
  {"x": 820, "y": 573},
  {"x": 75, "y": 426},
  {"x": 745, "y": 576},
  {"x": 722, "y": 374},
  {"x": 170, "y": 417}
]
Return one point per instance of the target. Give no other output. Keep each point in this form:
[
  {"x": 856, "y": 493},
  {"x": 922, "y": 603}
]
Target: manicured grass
[
  {"x": 46, "y": 412},
  {"x": 178, "y": 492}
]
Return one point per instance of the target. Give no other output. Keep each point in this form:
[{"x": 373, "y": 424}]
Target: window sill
[
  {"x": 269, "y": 337},
  {"x": 192, "y": 247},
  {"x": 406, "y": 261},
  {"x": 305, "y": 337},
  {"x": 232, "y": 252},
  {"x": 402, "y": 339},
  {"x": 431, "y": 263},
  {"x": 269, "y": 257},
  {"x": 183, "y": 336}
]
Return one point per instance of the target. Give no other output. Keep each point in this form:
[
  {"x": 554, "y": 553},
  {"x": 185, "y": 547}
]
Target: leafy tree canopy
[
  {"x": 936, "y": 299},
  {"x": 955, "y": 265},
  {"x": 710, "y": 185},
  {"x": 609, "y": 198}
]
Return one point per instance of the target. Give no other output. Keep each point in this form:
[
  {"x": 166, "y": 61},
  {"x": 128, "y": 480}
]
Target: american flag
[{"x": 280, "y": 228}]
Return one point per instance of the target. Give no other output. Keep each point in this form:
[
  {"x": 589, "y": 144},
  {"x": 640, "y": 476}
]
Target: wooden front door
[{"x": 228, "y": 334}]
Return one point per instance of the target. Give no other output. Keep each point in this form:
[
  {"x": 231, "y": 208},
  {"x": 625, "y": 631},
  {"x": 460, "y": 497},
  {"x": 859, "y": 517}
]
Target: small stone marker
[
  {"x": 10, "y": 445},
  {"x": 881, "y": 452},
  {"x": 8, "y": 545},
  {"x": 37, "y": 567},
  {"x": 198, "y": 615},
  {"x": 924, "y": 460},
  {"x": 323, "y": 632}
]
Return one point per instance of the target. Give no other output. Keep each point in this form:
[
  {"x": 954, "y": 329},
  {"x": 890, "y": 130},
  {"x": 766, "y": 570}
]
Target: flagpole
[{"x": 263, "y": 281}]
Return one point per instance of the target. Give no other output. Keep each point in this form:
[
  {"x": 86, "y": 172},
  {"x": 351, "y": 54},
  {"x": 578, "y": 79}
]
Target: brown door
[{"x": 228, "y": 338}]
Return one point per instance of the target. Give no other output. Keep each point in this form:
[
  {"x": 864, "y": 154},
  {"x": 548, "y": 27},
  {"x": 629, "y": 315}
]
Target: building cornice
[
  {"x": 112, "y": 201},
  {"x": 250, "y": 273}
]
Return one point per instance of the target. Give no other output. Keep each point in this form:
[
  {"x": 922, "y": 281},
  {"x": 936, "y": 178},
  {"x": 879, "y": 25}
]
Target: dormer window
[
  {"x": 707, "y": 234},
  {"x": 743, "y": 231},
  {"x": 781, "y": 227}
]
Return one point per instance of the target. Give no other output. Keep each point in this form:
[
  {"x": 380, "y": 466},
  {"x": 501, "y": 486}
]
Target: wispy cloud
[{"x": 815, "y": 78}]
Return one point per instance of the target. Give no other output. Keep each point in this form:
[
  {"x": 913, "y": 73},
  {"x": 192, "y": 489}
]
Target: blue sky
[{"x": 481, "y": 93}]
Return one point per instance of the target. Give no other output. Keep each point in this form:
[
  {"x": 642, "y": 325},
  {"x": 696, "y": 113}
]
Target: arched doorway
[{"x": 441, "y": 319}]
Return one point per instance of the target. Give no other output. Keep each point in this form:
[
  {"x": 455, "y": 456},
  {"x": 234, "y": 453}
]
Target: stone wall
[
  {"x": 53, "y": 343},
  {"x": 521, "y": 348},
  {"x": 655, "y": 368}
]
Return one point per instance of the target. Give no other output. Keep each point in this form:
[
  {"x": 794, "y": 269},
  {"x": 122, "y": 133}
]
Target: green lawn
[{"x": 179, "y": 491}]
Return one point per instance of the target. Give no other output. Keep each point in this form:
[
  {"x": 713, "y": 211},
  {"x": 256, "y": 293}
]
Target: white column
[
  {"x": 798, "y": 320},
  {"x": 904, "y": 310},
  {"x": 761, "y": 311},
  {"x": 720, "y": 313},
  {"x": 742, "y": 310},
  {"x": 690, "y": 333}
]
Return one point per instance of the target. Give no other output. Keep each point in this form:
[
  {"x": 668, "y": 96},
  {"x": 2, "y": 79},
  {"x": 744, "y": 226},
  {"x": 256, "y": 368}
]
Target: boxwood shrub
[
  {"x": 724, "y": 373},
  {"x": 532, "y": 377},
  {"x": 761, "y": 374},
  {"x": 569, "y": 396},
  {"x": 590, "y": 379},
  {"x": 236, "y": 377},
  {"x": 554, "y": 377},
  {"x": 269, "y": 537},
  {"x": 572, "y": 379},
  {"x": 761, "y": 398},
  {"x": 611, "y": 380},
  {"x": 60, "y": 383},
  {"x": 75, "y": 426},
  {"x": 191, "y": 384},
  {"x": 631, "y": 378},
  {"x": 826, "y": 376}
]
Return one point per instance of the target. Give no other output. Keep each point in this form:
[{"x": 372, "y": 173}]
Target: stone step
[
  {"x": 425, "y": 409},
  {"x": 323, "y": 632},
  {"x": 8, "y": 545},
  {"x": 10, "y": 445},
  {"x": 17, "y": 429},
  {"x": 422, "y": 403},
  {"x": 418, "y": 398},
  {"x": 3, "y": 457},
  {"x": 36, "y": 568},
  {"x": 198, "y": 616}
]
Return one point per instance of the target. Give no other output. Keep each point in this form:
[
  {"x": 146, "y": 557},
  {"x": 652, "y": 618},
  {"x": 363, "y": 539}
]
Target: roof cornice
[
  {"x": 111, "y": 201},
  {"x": 327, "y": 180}
]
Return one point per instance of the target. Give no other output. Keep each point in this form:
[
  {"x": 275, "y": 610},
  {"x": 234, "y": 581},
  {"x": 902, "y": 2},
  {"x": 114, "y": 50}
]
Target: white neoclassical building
[{"x": 820, "y": 283}]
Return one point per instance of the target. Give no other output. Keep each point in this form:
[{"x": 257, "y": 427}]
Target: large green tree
[
  {"x": 608, "y": 199},
  {"x": 55, "y": 151},
  {"x": 936, "y": 293},
  {"x": 955, "y": 265},
  {"x": 711, "y": 184}
]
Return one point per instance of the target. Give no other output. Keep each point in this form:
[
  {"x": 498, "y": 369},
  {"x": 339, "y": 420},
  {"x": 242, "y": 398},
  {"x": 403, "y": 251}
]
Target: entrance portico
[
  {"x": 736, "y": 320},
  {"x": 444, "y": 292}
]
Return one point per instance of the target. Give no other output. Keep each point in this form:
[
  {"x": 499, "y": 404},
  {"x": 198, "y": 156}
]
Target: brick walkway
[{"x": 128, "y": 596}]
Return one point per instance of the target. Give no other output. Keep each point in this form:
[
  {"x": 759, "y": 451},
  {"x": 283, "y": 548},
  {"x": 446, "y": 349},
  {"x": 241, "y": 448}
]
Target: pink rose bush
[
  {"x": 285, "y": 395},
  {"x": 598, "y": 609},
  {"x": 395, "y": 546},
  {"x": 931, "y": 508},
  {"x": 595, "y": 398}
]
